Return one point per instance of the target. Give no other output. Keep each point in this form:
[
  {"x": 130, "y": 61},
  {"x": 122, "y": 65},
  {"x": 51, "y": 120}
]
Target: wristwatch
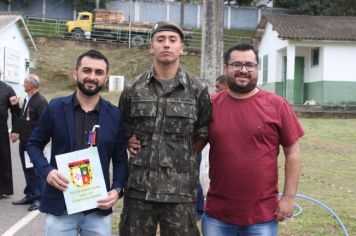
[{"x": 119, "y": 192}]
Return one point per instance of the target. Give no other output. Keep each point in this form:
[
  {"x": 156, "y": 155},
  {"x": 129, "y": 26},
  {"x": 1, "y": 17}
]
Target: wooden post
[
  {"x": 182, "y": 13},
  {"x": 43, "y": 9},
  {"x": 212, "y": 48}
]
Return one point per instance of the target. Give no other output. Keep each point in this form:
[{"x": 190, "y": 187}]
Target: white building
[
  {"x": 15, "y": 43},
  {"x": 305, "y": 58}
]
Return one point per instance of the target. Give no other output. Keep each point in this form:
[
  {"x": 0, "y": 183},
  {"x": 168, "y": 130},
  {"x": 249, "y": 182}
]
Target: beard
[
  {"x": 89, "y": 91},
  {"x": 233, "y": 86}
]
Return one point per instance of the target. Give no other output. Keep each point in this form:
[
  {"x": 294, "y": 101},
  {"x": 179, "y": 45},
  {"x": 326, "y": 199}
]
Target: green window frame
[
  {"x": 315, "y": 54},
  {"x": 265, "y": 69}
]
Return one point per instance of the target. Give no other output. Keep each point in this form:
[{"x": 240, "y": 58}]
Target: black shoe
[
  {"x": 3, "y": 196},
  {"x": 35, "y": 205},
  {"x": 24, "y": 201}
]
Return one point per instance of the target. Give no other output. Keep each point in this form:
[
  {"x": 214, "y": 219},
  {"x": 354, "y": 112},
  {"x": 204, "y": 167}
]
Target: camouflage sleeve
[
  {"x": 203, "y": 111},
  {"x": 125, "y": 108}
]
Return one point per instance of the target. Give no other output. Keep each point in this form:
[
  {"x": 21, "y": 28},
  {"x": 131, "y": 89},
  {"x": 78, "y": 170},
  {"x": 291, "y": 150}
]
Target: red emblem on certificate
[{"x": 80, "y": 173}]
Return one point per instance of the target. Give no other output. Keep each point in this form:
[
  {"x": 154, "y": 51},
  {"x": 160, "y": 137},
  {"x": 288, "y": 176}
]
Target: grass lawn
[
  {"x": 328, "y": 147},
  {"x": 328, "y": 175}
]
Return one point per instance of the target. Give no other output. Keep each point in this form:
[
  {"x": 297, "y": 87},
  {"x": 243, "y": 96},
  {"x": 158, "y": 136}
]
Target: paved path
[{"x": 17, "y": 220}]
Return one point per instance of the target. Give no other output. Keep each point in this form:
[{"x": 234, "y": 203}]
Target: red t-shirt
[{"x": 244, "y": 137}]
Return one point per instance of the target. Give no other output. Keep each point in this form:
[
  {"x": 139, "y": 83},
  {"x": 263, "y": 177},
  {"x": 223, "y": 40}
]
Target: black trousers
[{"x": 6, "y": 184}]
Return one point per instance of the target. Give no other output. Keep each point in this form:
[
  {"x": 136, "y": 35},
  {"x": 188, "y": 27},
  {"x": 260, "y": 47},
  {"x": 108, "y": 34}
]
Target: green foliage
[
  {"x": 319, "y": 7},
  {"x": 244, "y": 2},
  {"x": 88, "y": 5},
  {"x": 84, "y": 5},
  {"x": 23, "y": 2},
  {"x": 239, "y": 2}
]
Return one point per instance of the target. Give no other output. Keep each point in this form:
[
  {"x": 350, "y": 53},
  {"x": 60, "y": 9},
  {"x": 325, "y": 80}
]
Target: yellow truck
[{"x": 106, "y": 25}]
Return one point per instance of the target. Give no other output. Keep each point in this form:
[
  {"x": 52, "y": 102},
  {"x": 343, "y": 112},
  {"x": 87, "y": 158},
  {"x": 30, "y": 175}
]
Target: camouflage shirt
[{"x": 167, "y": 122}]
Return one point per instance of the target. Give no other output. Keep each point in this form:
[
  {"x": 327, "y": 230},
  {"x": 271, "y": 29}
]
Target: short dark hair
[
  {"x": 240, "y": 47},
  {"x": 94, "y": 54},
  {"x": 221, "y": 79}
]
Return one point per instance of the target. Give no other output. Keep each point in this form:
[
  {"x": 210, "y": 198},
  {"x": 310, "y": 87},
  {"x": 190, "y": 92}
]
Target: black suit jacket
[{"x": 30, "y": 115}]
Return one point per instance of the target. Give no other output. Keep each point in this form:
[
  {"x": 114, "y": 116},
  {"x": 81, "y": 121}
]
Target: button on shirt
[{"x": 83, "y": 124}]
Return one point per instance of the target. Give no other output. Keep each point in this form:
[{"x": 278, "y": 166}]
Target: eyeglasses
[{"x": 250, "y": 67}]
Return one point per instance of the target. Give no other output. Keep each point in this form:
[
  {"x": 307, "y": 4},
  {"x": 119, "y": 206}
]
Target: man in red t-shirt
[{"x": 247, "y": 126}]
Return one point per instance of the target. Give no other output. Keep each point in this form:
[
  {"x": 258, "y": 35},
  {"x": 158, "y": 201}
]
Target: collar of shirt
[
  {"x": 77, "y": 105},
  {"x": 181, "y": 76}
]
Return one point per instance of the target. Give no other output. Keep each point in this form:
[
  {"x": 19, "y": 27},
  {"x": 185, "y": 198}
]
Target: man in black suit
[
  {"x": 31, "y": 111},
  {"x": 8, "y": 101}
]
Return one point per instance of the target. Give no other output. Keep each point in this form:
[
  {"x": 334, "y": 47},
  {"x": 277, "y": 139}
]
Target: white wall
[
  {"x": 337, "y": 60},
  {"x": 12, "y": 38},
  {"x": 340, "y": 62},
  {"x": 269, "y": 45},
  {"x": 311, "y": 73}
]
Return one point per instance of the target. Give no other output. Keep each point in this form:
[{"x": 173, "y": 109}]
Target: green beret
[{"x": 167, "y": 26}]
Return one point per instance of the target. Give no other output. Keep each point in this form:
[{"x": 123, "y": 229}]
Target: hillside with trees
[{"x": 318, "y": 7}]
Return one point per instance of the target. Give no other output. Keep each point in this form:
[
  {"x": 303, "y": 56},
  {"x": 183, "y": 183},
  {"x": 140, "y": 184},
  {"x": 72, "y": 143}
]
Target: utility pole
[
  {"x": 43, "y": 9},
  {"x": 74, "y": 9},
  {"x": 9, "y": 5},
  {"x": 97, "y": 5},
  {"x": 212, "y": 48},
  {"x": 182, "y": 13}
]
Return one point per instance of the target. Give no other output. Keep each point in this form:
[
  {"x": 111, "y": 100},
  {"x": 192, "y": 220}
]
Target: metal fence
[
  {"x": 46, "y": 27},
  {"x": 119, "y": 34}
]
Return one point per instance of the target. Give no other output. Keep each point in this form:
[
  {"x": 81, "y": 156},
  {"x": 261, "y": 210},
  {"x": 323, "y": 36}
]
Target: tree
[
  {"x": 228, "y": 2},
  {"x": 23, "y": 2},
  {"x": 244, "y": 2},
  {"x": 88, "y": 5},
  {"x": 319, "y": 7}
]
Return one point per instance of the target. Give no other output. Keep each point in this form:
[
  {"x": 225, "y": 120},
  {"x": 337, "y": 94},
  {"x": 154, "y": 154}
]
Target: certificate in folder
[{"x": 86, "y": 181}]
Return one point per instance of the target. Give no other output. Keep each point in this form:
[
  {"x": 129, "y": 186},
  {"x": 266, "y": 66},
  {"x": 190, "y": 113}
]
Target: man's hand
[
  {"x": 57, "y": 180},
  {"x": 134, "y": 145},
  {"x": 109, "y": 201},
  {"x": 14, "y": 100},
  {"x": 14, "y": 137},
  {"x": 285, "y": 208},
  {"x": 292, "y": 172}
]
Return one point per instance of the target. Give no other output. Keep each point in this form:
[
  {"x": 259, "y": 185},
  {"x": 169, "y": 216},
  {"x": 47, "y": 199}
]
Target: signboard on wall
[
  {"x": 116, "y": 83},
  {"x": 12, "y": 59}
]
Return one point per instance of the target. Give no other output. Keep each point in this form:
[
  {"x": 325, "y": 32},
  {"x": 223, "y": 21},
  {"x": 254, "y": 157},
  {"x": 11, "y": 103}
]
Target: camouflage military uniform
[{"x": 167, "y": 122}]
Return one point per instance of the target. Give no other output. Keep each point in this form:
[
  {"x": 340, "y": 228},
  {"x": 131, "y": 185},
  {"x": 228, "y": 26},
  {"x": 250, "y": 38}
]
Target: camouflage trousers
[{"x": 141, "y": 217}]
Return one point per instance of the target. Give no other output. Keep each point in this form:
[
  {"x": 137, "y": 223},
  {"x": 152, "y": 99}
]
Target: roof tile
[
  {"x": 312, "y": 27},
  {"x": 8, "y": 17}
]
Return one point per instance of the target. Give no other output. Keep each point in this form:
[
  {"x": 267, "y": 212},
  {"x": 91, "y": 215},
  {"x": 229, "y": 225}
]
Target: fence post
[
  {"x": 167, "y": 11},
  {"x": 229, "y": 17},
  {"x": 57, "y": 27},
  {"x": 137, "y": 10},
  {"x": 198, "y": 16}
]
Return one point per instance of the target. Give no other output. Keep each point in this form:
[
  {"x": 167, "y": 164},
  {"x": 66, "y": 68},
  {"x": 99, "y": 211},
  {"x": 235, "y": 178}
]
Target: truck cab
[
  {"x": 81, "y": 27},
  {"x": 107, "y": 25}
]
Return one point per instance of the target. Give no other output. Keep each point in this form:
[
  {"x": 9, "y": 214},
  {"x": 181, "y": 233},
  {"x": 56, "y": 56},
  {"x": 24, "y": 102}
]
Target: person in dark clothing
[
  {"x": 68, "y": 122},
  {"x": 8, "y": 100},
  {"x": 31, "y": 111}
]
